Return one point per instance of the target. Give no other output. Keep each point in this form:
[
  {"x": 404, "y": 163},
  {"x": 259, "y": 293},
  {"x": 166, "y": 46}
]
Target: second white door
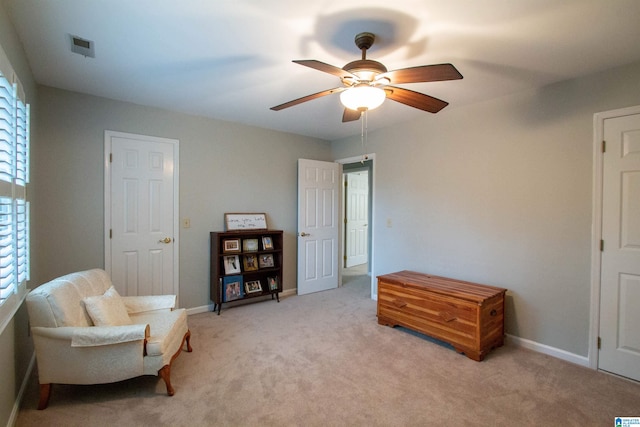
[{"x": 318, "y": 190}]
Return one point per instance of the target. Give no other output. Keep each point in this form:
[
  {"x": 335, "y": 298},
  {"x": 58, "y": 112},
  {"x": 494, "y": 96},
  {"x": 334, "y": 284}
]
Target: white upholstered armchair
[{"x": 85, "y": 333}]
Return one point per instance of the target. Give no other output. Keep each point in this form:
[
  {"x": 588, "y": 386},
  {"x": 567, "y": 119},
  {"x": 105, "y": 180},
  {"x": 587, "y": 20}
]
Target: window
[{"x": 14, "y": 207}]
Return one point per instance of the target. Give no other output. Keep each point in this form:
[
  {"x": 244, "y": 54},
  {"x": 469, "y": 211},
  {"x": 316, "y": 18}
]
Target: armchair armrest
[
  {"x": 140, "y": 304},
  {"x": 94, "y": 336}
]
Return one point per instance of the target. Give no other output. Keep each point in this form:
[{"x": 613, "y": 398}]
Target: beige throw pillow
[{"x": 107, "y": 309}]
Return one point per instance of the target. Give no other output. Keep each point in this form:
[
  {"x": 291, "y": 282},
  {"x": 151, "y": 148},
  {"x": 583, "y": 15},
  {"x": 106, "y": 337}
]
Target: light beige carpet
[{"x": 322, "y": 360}]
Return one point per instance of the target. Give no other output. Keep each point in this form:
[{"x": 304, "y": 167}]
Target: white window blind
[
  {"x": 7, "y": 128},
  {"x": 14, "y": 176},
  {"x": 22, "y": 143},
  {"x": 7, "y": 259}
]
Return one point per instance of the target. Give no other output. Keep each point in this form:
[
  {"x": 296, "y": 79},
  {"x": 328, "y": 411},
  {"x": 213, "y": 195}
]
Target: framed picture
[
  {"x": 250, "y": 245},
  {"x": 231, "y": 245},
  {"x": 253, "y": 286},
  {"x": 245, "y": 221},
  {"x": 232, "y": 288},
  {"x": 250, "y": 262},
  {"x": 231, "y": 264},
  {"x": 265, "y": 261},
  {"x": 272, "y": 282},
  {"x": 267, "y": 243}
]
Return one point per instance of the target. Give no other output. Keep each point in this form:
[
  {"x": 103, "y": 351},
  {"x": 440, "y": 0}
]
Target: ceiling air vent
[{"x": 82, "y": 46}]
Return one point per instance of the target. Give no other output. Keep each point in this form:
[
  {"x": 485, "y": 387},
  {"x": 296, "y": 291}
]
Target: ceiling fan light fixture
[
  {"x": 348, "y": 80},
  {"x": 382, "y": 81},
  {"x": 362, "y": 97}
]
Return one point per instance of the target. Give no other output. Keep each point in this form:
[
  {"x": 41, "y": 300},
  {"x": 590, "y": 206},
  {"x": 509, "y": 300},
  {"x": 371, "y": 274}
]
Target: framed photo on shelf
[
  {"x": 231, "y": 264},
  {"x": 272, "y": 282},
  {"x": 253, "y": 286},
  {"x": 265, "y": 261},
  {"x": 267, "y": 243},
  {"x": 250, "y": 262},
  {"x": 232, "y": 288},
  {"x": 250, "y": 245},
  {"x": 231, "y": 245}
]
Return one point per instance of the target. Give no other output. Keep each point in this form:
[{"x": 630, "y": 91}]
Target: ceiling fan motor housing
[{"x": 365, "y": 69}]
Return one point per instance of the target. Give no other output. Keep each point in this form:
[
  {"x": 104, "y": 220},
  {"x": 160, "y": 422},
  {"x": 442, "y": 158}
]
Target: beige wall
[
  {"x": 224, "y": 167},
  {"x": 500, "y": 193}
]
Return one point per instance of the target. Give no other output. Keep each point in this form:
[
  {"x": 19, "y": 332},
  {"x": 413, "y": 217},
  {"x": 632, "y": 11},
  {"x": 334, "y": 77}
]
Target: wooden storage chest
[{"x": 466, "y": 315}]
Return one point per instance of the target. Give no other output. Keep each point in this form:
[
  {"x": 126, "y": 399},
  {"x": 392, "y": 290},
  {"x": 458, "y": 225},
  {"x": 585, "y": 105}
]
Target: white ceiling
[{"x": 231, "y": 59}]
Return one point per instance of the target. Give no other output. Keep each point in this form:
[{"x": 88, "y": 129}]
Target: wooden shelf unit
[{"x": 234, "y": 243}]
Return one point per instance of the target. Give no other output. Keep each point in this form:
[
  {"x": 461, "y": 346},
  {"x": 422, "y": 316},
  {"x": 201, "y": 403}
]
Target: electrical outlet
[
  {"x": 389, "y": 223},
  {"x": 186, "y": 223}
]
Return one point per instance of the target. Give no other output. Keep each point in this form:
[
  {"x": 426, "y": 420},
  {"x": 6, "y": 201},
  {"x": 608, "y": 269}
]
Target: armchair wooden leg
[
  {"x": 188, "y": 339},
  {"x": 165, "y": 374},
  {"x": 45, "y": 394},
  {"x": 165, "y": 371}
]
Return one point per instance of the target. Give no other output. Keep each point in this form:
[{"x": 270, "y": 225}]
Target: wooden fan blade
[
  {"x": 350, "y": 115},
  {"x": 415, "y": 99},
  {"x": 424, "y": 73},
  {"x": 321, "y": 66},
  {"x": 307, "y": 98}
]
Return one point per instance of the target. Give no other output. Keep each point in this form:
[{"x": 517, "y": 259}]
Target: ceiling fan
[{"x": 366, "y": 83}]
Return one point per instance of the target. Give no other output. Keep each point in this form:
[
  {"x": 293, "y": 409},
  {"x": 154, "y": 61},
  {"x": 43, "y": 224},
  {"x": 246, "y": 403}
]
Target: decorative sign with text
[{"x": 245, "y": 221}]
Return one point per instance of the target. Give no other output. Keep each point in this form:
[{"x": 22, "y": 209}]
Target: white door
[
  {"x": 318, "y": 190},
  {"x": 141, "y": 211},
  {"x": 620, "y": 278},
  {"x": 357, "y": 218}
]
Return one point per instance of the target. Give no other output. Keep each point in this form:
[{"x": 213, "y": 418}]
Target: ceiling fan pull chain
[{"x": 364, "y": 135}]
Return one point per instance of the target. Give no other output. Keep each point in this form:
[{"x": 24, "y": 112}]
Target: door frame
[
  {"x": 108, "y": 134},
  {"x": 372, "y": 219},
  {"x": 596, "y": 226}
]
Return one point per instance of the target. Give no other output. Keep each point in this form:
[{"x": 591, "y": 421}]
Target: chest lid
[{"x": 443, "y": 285}]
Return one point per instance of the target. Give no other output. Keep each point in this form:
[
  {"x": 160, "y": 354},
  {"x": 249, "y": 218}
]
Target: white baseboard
[
  {"x": 209, "y": 307},
  {"x": 289, "y": 293},
  {"x": 551, "y": 351},
  {"x": 13, "y": 418},
  {"x": 198, "y": 310}
]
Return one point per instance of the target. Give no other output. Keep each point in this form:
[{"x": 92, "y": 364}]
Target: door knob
[
  {"x": 303, "y": 234},
  {"x": 165, "y": 240}
]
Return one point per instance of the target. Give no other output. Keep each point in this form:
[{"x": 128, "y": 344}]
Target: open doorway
[{"x": 357, "y": 215}]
